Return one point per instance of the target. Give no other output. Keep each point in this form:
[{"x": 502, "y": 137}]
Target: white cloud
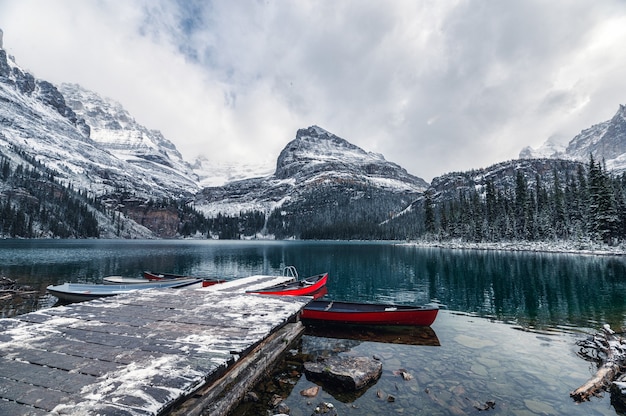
[{"x": 434, "y": 86}]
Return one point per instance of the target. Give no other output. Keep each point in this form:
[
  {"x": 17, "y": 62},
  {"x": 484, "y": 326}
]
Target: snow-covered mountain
[
  {"x": 320, "y": 180},
  {"x": 36, "y": 121},
  {"x": 605, "y": 141},
  {"x": 211, "y": 173},
  {"x": 134, "y": 182},
  {"x": 315, "y": 153},
  {"x": 116, "y": 131}
]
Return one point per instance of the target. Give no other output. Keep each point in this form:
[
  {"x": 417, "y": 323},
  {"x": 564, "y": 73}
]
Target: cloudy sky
[{"x": 435, "y": 86}]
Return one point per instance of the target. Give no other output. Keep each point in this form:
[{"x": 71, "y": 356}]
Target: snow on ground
[{"x": 573, "y": 247}]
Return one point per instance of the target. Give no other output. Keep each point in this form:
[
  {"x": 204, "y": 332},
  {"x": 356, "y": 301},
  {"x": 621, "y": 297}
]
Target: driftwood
[
  {"x": 609, "y": 351},
  {"x": 10, "y": 289}
]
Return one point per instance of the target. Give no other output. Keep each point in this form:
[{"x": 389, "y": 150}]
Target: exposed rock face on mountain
[
  {"x": 315, "y": 151},
  {"x": 321, "y": 181},
  {"x": 116, "y": 131},
  {"x": 37, "y": 120},
  {"x": 57, "y": 181},
  {"x": 605, "y": 141}
]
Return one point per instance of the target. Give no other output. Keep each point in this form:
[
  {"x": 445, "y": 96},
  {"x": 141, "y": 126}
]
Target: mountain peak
[
  {"x": 313, "y": 131},
  {"x": 315, "y": 152}
]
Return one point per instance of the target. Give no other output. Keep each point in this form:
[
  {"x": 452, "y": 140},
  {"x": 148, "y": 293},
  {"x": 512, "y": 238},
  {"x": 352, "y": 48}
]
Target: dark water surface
[{"x": 506, "y": 334}]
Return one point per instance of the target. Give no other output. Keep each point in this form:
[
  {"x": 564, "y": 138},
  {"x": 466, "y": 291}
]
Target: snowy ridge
[
  {"x": 115, "y": 130},
  {"x": 316, "y": 150},
  {"x": 552, "y": 148},
  {"x": 36, "y": 120},
  {"x": 212, "y": 174},
  {"x": 605, "y": 141}
]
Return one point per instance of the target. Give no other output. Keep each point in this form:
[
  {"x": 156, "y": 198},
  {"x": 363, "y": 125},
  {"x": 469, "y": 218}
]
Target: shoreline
[{"x": 556, "y": 247}]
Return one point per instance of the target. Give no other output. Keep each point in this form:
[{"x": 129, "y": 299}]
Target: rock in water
[
  {"x": 352, "y": 373},
  {"x": 326, "y": 409},
  {"x": 310, "y": 392}
]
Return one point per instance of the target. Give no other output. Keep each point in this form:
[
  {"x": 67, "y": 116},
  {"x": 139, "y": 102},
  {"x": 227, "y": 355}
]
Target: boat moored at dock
[
  {"x": 368, "y": 313},
  {"x": 311, "y": 286},
  {"x": 78, "y": 292}
]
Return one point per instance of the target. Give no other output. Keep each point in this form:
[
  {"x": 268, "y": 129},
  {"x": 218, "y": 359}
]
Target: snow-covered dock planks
[{"x": 143, "y": 353}]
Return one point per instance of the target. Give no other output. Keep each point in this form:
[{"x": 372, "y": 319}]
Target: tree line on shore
[{"x": 589, "y": 204}]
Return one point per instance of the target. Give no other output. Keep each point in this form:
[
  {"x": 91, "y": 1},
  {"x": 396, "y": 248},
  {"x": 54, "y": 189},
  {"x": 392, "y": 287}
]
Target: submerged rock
[
  {"x": 326, "y": 409},
  {"x": 282, "y": 409},
  {"x": 352, "y": 373},
  {"x": 310, "y": 392}
]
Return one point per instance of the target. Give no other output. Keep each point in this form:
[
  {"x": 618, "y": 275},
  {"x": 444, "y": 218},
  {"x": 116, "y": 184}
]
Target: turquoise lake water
[{"x": 506, "y": 333}]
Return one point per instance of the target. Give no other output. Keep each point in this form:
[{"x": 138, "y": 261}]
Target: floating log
[{"x": 609, "y": 351}]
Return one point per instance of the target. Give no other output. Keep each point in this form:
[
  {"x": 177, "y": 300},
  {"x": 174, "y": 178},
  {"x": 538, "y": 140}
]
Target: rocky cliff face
[
  {"x": 98, "y": 148},
  {"x": 12, "y": 76},
  {"x": 315, "y": 151},
  {"x": 605, "y": 141},
  {"x": 45, "y": 144},
  {"x": 116, "y": 131}
]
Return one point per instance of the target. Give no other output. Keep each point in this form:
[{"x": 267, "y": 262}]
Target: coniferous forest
[
  {"x": 584, "y": 203},
  {"x": 34, "y": 203}
]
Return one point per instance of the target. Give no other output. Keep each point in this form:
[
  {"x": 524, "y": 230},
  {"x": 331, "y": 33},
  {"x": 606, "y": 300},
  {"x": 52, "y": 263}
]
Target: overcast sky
[{"x": 435, "y": 86}]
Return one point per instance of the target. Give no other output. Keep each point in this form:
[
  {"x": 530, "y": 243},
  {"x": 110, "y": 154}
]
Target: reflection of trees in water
[{"x": 531, "y": 288}]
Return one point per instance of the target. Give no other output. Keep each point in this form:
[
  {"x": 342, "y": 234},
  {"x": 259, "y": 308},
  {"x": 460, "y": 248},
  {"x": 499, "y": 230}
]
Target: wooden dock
[{"x": 151, "y": 352}]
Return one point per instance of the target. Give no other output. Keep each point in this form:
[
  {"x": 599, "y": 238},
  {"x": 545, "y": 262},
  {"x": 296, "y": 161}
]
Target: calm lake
[{"x": 506, "y": 333}]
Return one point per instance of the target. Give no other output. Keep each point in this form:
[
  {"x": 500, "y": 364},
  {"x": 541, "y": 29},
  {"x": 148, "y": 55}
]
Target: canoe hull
[
  {"x": 369, "y": 314},
  {"x": 78, "y": 292},
  {"x": 311, "y": 286},
  {"x": 121, "y": 280},
  {"x": 207, "y": 281}
]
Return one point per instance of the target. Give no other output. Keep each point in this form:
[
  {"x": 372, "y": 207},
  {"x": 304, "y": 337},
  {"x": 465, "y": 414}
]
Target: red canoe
[
  {"x": 311, "y": 286},
  {"x": 368, "y": 313}
]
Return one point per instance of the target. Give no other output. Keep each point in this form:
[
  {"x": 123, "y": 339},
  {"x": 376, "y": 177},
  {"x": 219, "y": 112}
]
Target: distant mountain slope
[
  {"x": 605, "y": 141},
  {"x": 321, "y": 181},
  {"x": 212, "y": 173},
  {"x": 503, "y": 176},
  {"x": 466, "y": 198}
]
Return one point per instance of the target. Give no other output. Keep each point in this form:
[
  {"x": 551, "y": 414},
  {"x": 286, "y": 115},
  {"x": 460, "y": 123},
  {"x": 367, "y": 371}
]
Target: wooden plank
[
  {"x": 33, "y": 396},
  {"x": 221, "y": 396},
  {"x": 47, "y": 377},
  {"x": 13, "y": 408},
  {"x": 249, "y": 283}
]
